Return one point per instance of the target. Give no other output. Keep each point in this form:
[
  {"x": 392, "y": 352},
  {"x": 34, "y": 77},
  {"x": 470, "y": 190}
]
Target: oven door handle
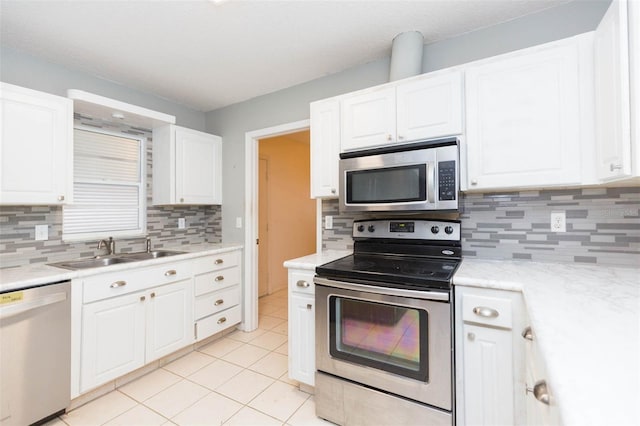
[{"x": 438, "y": 295}]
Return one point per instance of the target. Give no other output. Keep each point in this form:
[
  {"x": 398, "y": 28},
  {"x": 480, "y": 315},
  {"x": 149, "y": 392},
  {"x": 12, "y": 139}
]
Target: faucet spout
[{"x": 109, "y": 245}]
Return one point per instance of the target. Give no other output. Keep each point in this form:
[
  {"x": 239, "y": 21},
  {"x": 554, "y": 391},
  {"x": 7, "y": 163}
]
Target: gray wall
[
  {"x": 29, "y": 71},
  {"x": 292, "y": 104}
]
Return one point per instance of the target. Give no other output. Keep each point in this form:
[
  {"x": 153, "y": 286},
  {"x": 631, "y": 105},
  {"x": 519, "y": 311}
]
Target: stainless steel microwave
[{"x": 421, "y": 176}]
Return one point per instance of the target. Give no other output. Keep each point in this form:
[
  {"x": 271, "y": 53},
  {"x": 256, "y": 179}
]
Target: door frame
[{"x": 250, "y": 294}]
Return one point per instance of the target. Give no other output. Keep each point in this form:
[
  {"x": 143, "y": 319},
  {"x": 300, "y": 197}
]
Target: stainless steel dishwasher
[{"x": 35, "y": 353}]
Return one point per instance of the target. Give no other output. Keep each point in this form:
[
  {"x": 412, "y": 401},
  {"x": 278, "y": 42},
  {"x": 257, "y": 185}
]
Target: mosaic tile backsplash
[
  {"x": 17, "y": 223},
  {"x": 603, "y": 226}
]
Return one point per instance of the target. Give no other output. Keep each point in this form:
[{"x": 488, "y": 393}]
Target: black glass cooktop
[{"x": 400, "y": 271}]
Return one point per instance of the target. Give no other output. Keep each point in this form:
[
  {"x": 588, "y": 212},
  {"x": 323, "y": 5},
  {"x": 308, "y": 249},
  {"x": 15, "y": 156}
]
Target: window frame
[{"x": 142, "y": 192}]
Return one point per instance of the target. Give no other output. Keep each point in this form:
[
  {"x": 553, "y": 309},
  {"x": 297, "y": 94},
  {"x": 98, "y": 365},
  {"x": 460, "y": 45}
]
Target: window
[{"x": 108, "y": 187}]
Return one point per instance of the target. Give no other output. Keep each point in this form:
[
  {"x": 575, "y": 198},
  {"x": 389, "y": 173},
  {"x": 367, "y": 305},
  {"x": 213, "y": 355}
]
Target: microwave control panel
[{"x": 446, "y": 180}]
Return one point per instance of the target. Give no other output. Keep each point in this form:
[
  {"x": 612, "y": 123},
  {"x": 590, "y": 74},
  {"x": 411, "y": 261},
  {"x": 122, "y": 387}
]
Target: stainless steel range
[{"x": 384, "y": 345}]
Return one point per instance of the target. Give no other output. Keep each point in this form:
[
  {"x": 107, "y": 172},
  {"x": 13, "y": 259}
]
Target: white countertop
[
  {"x": 311, "y": 261},
  {"x": 586, "y": 320},
  {"x": 40, "y": 273}
]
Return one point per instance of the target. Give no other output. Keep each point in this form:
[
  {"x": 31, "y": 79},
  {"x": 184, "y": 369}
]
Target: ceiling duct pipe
[{"x": 406, "y": 55}]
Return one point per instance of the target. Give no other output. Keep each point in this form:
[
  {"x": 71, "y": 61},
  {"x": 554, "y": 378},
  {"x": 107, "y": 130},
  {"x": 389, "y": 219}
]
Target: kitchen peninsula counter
[{"x": 586, "y": 321}]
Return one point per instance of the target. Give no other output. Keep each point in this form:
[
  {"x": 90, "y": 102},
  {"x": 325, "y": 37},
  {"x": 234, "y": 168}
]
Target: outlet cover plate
[
  {"x": 42, "y": 232},
  {"x": 182, "y": 223},
  {"x": 558, "y": 222}
]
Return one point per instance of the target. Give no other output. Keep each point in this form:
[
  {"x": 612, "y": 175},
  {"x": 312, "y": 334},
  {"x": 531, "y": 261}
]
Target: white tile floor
[{"x": 240, "y": 379}]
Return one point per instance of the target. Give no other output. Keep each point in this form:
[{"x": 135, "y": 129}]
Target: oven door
[{"x": 398, "y": 341}]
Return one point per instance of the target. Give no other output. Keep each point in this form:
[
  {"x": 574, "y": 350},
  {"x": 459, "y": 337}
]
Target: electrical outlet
[
  {"x": 328, "y": 222},
  {"x": 42, "y": 232},
  {"x": 182, "y": 223},
  {"x": 558, "y": 222},
  {"x": 238, "y": 222}
]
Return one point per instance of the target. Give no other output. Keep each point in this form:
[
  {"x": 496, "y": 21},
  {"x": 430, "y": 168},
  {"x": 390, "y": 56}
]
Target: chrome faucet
[
  {"x": 109, "y": 245},
  {"x": 148, "y": 244}
]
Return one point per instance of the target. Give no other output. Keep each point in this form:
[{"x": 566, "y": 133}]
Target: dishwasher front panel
[{"x": 35, "y": 353}]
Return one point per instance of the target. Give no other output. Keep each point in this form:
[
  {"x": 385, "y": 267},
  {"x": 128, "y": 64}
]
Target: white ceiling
[{"x": 206, "y": 55}]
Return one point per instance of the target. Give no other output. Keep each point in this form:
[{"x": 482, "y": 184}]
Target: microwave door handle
[{"x": 431, "y": 182}]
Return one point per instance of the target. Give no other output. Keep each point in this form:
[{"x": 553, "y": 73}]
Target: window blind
[{"x": 108, "y": 187}]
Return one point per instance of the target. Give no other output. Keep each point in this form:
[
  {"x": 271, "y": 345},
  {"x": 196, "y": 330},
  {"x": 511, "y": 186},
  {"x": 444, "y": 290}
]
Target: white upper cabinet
[
  {"x": 634, "y": 82},
  {"x": 423, "y": 107},
  {"x": 613, "y": 133},
  {"x": 325, "y": 148},
  {"x": 187, "y": 167},
  {"x": 524, "y": 118},
  {"x": 36, "y": 151}
]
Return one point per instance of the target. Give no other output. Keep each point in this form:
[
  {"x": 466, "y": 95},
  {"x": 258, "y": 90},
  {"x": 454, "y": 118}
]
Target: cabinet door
[
  {"x": 36, "y": 155},
  {"x": 169, "y": 319},
  {"x": 368, "y": 119},
  {"x": 302, "y": 357},
  {"x": 488, "y": 376},
  {"x": 430, "y": 107},
  {"x": 523, "y": 127},
  {"x": 325, "y": 148},
  {"x": 113, "y": 339},
  {"x": 198, "y": 167},
  {"x": 613, "y": 132}
]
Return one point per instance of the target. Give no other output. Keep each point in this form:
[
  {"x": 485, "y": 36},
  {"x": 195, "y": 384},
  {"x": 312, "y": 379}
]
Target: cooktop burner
[{"x": 416, "y": 254}]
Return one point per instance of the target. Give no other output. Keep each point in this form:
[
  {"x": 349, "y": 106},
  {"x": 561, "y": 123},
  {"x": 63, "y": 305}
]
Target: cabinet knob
[
  {"x": 527, "y": 333},
  {"x": 218, "y": 302},
  {"x": 333, "y": 190},
  {"x": 540, "y": 392},
  {"x": 222, "y": 320},
  {"x": 142, "y": 298},
  {"x": 61, "y": 198},
  {"x": 474, "y": 182},
  {"x": 389, "y": 138},
  {"x": 170, "y": 272},
  {"x": 153, "y": 295},
  {"x": 613, "y": 167},
  {"x": 118, "y": 284},
  {"x": 400, "y": 137},
  {"x": 182, "y": 200},
  {"x": 471, "y": 336},
  {"x": 309, "y": 306},
  {"x": 485, "y": 312},
  {"x": 219, "y": 278},
  {"x": 302, "y": 283},
  {"x": 218, "y": 262}
]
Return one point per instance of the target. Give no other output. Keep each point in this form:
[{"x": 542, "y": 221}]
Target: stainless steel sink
[
  {"x": 143, "y": 255},
  {"x": 98, "y": 262},
  {"x": 90, "y": 263}
]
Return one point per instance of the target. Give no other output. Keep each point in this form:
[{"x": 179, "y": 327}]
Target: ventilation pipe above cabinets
[{"x": 406, "y": 55}]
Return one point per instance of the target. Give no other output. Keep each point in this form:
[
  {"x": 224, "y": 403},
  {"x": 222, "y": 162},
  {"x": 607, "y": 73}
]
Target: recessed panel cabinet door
[
  {"x": 198, "y": 165},
  {"x": 169, "y": 319},
  {"x": 36, "y": 150},
  {"x": 325, "y": 148},
  {"x": 113, "y": 339},
  {"x": 523, "y": 119},
  {"x": 368, "y": 119},
  {"x": 302, "y": 357}
]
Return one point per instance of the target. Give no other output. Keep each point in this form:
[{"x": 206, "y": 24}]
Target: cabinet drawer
[
  {"x": 302, "y": 282},
  {"x": 211, "y": 303},
  {"x": 215, "y": 262},
  {"x": 494, "y": 311},
  {"x": 216, "y": 323},
  {"x": 213, "y": 281},
  {"x": 103, "y": 286}
]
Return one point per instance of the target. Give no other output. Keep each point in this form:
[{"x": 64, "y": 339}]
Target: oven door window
[
  {"x": 387, "y": 185},
  {"x": 383, "y": 336}
]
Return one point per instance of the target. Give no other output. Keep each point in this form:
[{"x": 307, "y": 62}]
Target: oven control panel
[{"x": 412, "y": 229}]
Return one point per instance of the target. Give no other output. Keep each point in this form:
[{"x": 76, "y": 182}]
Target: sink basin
[
  {"x": 90, "y": 263},
  {"x": 143, "y": 255},
  {"x": 98, "y": 262}
]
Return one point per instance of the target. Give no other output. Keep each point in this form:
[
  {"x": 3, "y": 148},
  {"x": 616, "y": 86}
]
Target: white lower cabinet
[
  {"x": 302, "y": 333},
  {"x": 125, "y": 332},
  {"x": 489, "y": 357}
]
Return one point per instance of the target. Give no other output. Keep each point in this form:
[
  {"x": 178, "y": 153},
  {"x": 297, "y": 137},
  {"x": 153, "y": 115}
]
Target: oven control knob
[
  {"x": 449, "y": 229},
  {"x": 371, "y": 228},
  {"x": 435, "y": 229},
  {"x": 360, "y": 228}
]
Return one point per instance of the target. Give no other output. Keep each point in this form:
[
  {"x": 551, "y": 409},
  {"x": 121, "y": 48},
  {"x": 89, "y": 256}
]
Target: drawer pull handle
[
  {"x": 302, "y": 283},
  {"x": 222, "y": 320},
  {"x": 540, "y": 392},
  {"x": 219, "y": 278},
  {"x": 218, "y": 262},
  {"x": 118, "y": 284},
  {"x": 483, "y": 311},
  {"x": 218, "y": 302},
  {"x": 527, "y": 333},
  {"x": 170, "y": 272}
]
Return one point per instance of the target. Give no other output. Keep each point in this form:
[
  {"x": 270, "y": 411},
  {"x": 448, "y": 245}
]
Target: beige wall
[{"x": 291, "y": 213}]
